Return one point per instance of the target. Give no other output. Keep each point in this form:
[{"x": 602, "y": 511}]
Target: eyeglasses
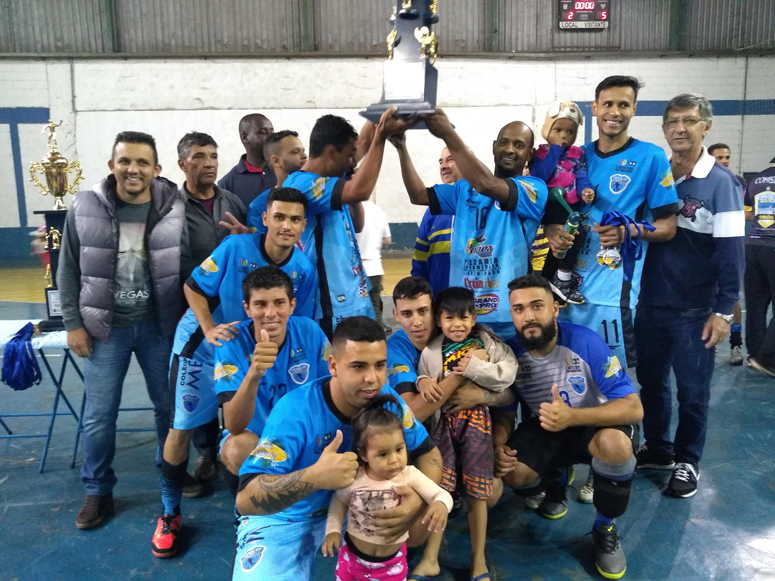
[{"x": 689, "y": 122}]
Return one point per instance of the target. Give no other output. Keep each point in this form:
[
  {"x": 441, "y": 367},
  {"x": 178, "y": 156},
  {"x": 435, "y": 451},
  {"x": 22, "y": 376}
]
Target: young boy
[
  {"x": 562, "y": 165},
  {"x": 475, "y": 352}
]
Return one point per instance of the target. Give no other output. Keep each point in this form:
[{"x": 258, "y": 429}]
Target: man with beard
[
  {"x": 284, "y": 153},
  {"x": 584, "y": 410},
  {"x": 252, "y": 174},
  {"x": 496, "y": 215}
]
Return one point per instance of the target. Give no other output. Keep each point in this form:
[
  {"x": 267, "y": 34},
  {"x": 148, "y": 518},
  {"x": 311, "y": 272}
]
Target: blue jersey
[
  {"x": 256, "y": 211},
  {"x": 329, "y": 242},
  {"x": 585, "y": 370},
  {"x": 491, "y": 241},
  {"x": 402, "y": 358},
  {"x": 635, "y": 180},
  {"x": 302, "y": 358},
  {"x": 221, "y": 276},
  {"x": 431, "y": 250},
  {"x": 301, "y": 425}
]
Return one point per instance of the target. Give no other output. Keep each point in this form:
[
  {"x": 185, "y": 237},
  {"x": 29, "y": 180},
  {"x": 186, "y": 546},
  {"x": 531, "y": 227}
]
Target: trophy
[
  {"x": 55, "y": 168},
  {"x": 410, "y": 79}
]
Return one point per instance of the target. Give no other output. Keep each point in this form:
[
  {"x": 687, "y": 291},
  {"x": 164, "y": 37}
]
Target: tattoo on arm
[{"x": 278, "y": 492}]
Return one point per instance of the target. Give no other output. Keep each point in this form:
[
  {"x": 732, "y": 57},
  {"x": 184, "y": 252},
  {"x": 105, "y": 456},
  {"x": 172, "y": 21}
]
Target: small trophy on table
[
  {"x": 410, "y": 79},
  {"x": 55, "y": 169}
]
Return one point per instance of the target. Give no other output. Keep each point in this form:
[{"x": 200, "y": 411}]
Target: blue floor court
[{"x": 726, "y": 532}]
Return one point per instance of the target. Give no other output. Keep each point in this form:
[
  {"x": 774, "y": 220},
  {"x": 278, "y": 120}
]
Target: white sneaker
[{"x": 587, "y": 491}]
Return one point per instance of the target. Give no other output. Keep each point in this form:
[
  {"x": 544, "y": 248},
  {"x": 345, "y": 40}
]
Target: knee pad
[{"x": 611, "y": 496}]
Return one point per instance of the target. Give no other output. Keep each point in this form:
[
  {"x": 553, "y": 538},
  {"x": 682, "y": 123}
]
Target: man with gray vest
[{"x": 119, "y": 280}]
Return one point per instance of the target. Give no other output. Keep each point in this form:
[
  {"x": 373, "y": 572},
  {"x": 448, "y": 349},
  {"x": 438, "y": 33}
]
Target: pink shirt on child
[
  {"x": 565, "y": 174},
  {"x": 366, "y": 496}
]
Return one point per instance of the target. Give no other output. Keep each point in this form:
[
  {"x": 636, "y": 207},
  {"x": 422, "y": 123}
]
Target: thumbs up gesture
[
  {"x": 333, "y": 470},
  {"x": 264, "y": 355},
  {"x": 557, "y": 415}
]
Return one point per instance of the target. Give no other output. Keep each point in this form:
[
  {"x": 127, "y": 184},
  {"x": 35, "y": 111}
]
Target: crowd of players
[{"x": 250, "y": 296}]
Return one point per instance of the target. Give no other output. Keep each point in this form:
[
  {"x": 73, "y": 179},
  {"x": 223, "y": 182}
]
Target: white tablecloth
[{"x": 55, "y": 340}]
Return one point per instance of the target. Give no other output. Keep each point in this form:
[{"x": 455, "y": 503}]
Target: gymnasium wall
[{"x": 96, "y": 99}]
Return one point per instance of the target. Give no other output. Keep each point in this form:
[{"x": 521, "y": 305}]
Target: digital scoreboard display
[{"x": 584, "y": 14}]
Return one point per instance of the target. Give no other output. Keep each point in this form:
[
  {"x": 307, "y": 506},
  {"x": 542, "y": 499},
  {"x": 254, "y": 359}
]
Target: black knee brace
[
  {"x": 531, "y": 488},
  {"x": 174, "y": 473},
  {"x": 611, "y": 496}
]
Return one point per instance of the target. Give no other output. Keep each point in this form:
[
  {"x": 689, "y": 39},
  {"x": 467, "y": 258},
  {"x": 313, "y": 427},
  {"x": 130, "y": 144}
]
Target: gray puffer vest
[{"x": 98, "y": 230}]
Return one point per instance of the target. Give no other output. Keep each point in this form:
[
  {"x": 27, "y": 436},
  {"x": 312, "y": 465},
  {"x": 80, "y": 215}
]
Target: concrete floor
[{"x": 726, "y": 532}]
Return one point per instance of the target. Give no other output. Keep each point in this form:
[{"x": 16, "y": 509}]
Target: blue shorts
[
  {"x": 328, "y": 324},
  {"x": 272, "y": 548},
  {"x": 192, "y": 380},
  {"x": 613, "y": 324}
]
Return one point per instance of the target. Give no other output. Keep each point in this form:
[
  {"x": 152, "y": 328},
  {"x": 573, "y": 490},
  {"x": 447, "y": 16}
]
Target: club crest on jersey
[
  {"x": 251, "y": 558},
  {"x": 666, "y": 179},
  {"x": 299, "y": 373},
  {"x": 619, "y": 183},
  {"x": 691, "y": 205},
  {"x": 322, "y": 441},
  {"x": 476, "y": 246},
  {"x": 398, "y": 369},
  {"x": 225, "y": 370},
  {"x": 486, "y": 304},
  {"x": 578, "y": 384},
  {"x": 318, "y": 187},
  {"x": 190, "y": 402},
  {"x": 612, "y": 366},
  {"x": 269, "y": 453},
  {"x": 208, "y": 266},
  {"x": 532, "y": 194}
]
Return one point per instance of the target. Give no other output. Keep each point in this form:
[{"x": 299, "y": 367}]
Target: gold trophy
[{"x": 55, "y": 167}]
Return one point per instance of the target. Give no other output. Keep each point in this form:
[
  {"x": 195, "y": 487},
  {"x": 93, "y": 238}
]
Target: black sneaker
[
  {"x": 567, "y": 291},
  {"x": 653, "y": 459},
  {"x": 683, "y": 482},
  {"x": 457, "y": 504},
  {"x": 555, "y": 504},
  {"x": 206, "y": 468},
  {"x": 94, "y": 511},
  {"x": 609, "y": 556},
  {"x": 193, "y": 487}
]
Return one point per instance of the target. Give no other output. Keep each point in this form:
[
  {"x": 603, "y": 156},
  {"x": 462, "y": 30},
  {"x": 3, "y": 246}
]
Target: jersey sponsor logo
[
  {"x": 245, "y": 265},
  {"x": 578, "y": 384},
  {"x": 189, "y": 373},
  {"x": 251, "y": 558},
  {"x": 318, "y": 187},
  {"x": 190, "y": 402},
  {"x": 666, "y": 179},
  {"x": 299, "y": 373},
  {"x": 476, "y": 246},
  {"x": 269, "y": 453},
  {"x": 612, "y": 366},
  {"x": 619, "y": 183},
  {"x": 363, "y": 289},
  {"x": 572, "y": 364},
  {"x": 531, "y": 192},
  {"x": 322, "y": 441},
  {"x": 208, "y": 266},
  {"x": 486, "y": 304},
  {"x": 626, "y": 165},
  {"x": 341, "y": 298},
  {"x": 481, "y": 266},
  {"x": 690, "y": 207},
  {"x": 326, "y": 351},
  {"x": 480, "y": 284},
  {"x": 408, "y": 420},
  {"x": 225, "y": 370},
  {"x": 398, "y": 369}
]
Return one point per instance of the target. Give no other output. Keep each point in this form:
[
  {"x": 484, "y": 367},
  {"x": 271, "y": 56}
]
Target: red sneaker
[{"x": 165, "y": 540}]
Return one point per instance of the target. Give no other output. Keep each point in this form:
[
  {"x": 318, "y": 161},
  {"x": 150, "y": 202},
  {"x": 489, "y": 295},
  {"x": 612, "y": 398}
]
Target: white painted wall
[{"x": 96, "y": 99}]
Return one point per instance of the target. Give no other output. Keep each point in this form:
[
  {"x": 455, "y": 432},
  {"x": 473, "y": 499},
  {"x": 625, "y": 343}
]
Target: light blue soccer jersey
[
  {"x": 491, "y": 242},
  {"x": 221, "y": 275},
  {"x": 302, "y": 358},
  {"x": 403, "y": 358},
  {"x": 299, "y": 428},
  {"x": 256, "y": 211},
  {"x": 585, "y": 370},
  {"x": 635, "y": 180},
  {"x": 329, "y": 242}
]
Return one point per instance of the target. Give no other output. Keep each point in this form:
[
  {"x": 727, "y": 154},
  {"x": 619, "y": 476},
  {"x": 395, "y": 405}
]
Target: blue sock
[
  {"x": 171, "y": 484},
  {"x": 600, "y": 520}
]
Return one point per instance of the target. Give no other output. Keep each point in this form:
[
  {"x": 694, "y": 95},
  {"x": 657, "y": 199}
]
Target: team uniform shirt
[
  {"x": 302, "y": 358},
  {"x": 402, "y": 357},
  {"x": 301, "y": 425},
  {"x": 256, "y": 211},
  {"x": 491, "y": 241},
  {"x": 587, "y": 374},
  {"x": 760, "y": 200},
  {"x": 430, "y": 259},
  {"x": 329, "y": 242}
]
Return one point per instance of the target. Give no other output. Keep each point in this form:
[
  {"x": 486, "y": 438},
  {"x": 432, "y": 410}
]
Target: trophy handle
[
  {"x": 74, "y": 165},
  {"x": 34, "y": 178}
]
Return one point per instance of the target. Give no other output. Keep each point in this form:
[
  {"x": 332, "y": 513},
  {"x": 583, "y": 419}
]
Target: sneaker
[
  {"x": 533, "y": 502},
  {"x": 555, "y": 503},
  {"x": 587, "y": 492},
  {"x": 165, "y": 540},
  {"x": 94, "y": 511},
  {"x": 568, "y": 291},
  {"x": 457, "y": 504},
  {"x": 683, "y": 482},
  {"x": 194, "y": 488},
  {"x": 760, "y": 367},
  {"x": 653, "y": 459},
  {"x": 736, "y": 356},
  {"x": 206, "y": 468},
  {"x": 609, "y": 556}
]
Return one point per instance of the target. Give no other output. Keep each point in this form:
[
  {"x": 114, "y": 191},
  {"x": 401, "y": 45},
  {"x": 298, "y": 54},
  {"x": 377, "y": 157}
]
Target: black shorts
[{"x": 542, "y": 451}]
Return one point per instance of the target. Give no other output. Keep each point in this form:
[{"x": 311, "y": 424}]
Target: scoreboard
[{"x": 584, "y": 14}]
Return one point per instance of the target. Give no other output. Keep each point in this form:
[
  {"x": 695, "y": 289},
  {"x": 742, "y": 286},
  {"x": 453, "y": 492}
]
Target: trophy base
[
  {"x": 49, "y": 325},
  {"x": 405, "y": 111}
]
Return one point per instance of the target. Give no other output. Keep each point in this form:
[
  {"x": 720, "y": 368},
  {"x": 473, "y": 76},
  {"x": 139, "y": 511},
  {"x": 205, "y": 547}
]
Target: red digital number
[
  {"x": 604, "y": 15},
  {"x": 570, "y": 15},
  {"x": 585, "y": 5}
]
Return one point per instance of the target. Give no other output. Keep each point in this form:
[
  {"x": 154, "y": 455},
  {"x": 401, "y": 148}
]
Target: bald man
[
  {"x": 252, "y": 175},
  {"x": 496, "y": 214}
]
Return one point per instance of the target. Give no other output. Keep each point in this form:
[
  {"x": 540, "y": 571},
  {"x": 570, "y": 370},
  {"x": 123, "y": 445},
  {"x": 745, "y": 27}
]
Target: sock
[
  {"x": 171, "y": 484},
  {"x": 232, "y": 481},
  {"x": 736, "y": 336},
  {"x": 601, "y": 520},
  {"x": 563, "y": 275}
]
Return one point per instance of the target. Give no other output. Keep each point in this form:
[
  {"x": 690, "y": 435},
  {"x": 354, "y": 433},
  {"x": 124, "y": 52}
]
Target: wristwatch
[{"x": 728, "y": 318}]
